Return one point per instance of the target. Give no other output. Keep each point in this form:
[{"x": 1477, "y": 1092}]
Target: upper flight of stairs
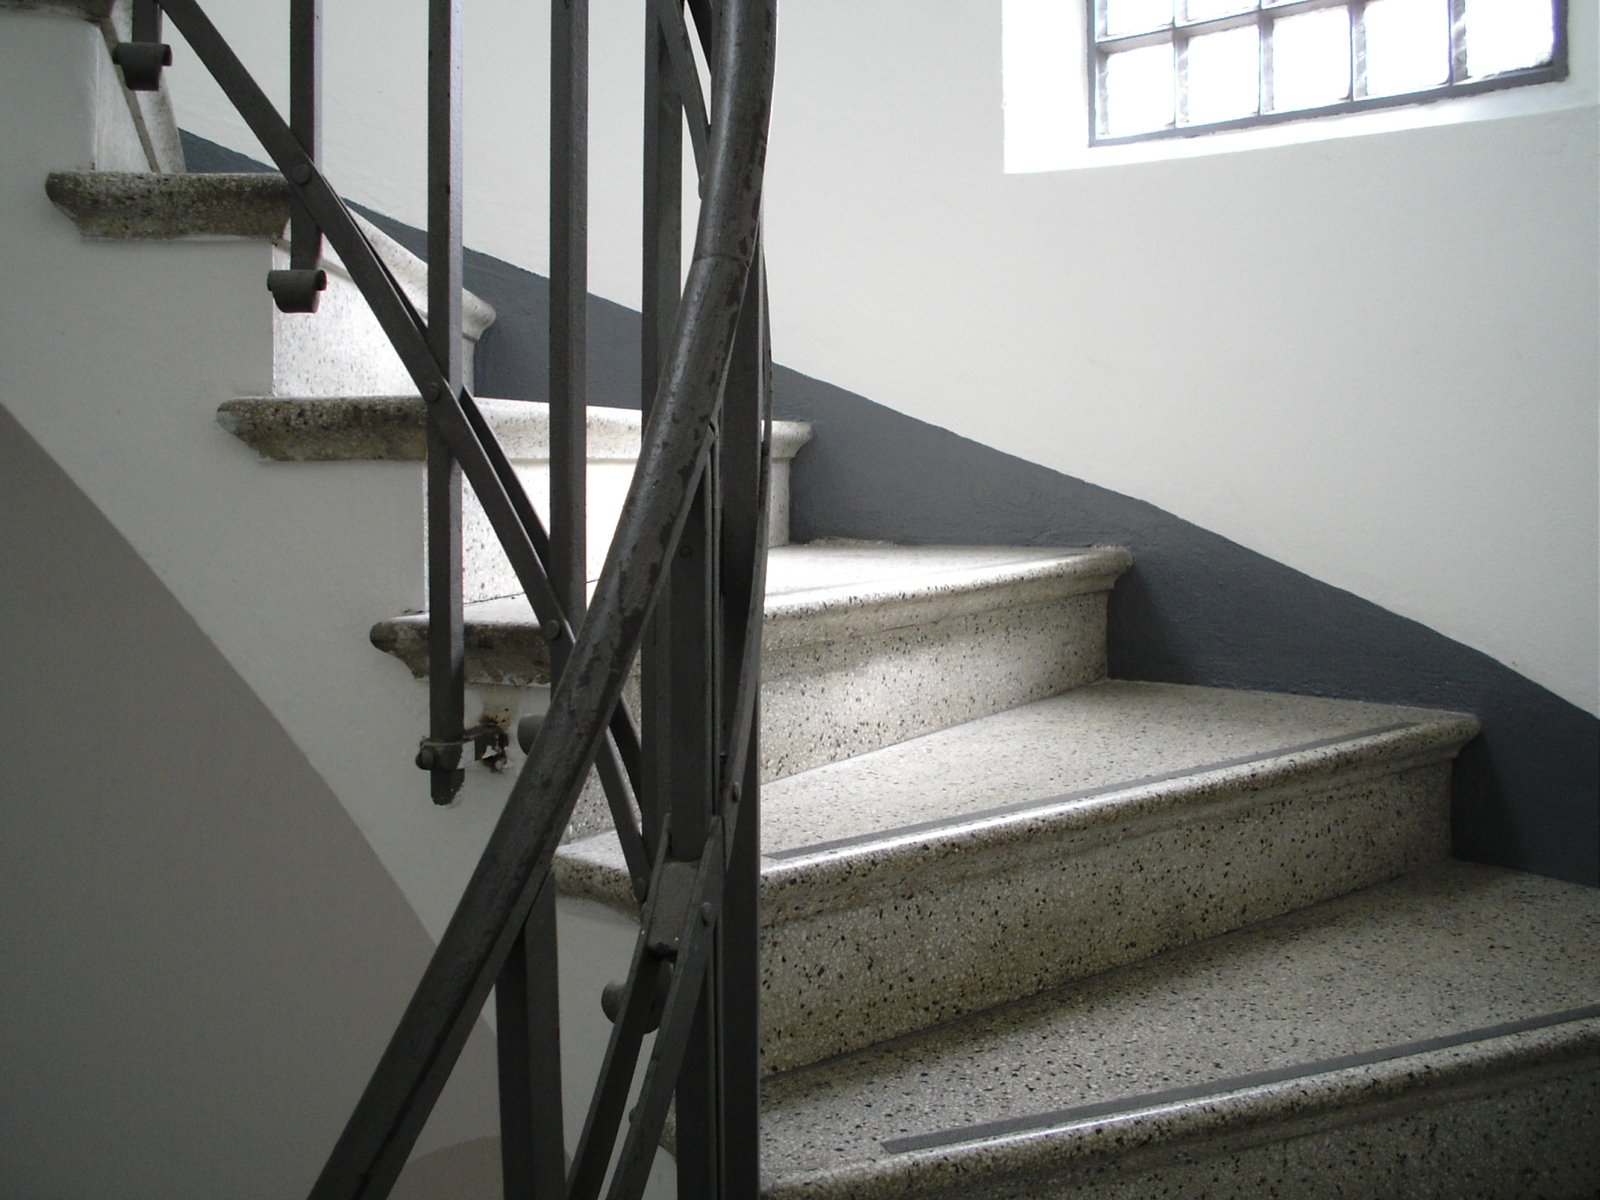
[{"x": 1030, "y": 932}]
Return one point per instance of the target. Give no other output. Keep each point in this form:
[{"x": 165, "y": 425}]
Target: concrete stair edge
[{"x": 364, "y": 428}]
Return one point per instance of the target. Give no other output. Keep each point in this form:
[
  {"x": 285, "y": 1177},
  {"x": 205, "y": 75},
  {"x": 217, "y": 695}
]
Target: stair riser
[
  {"x": 487, "y": 574},
  {"x": 340, "y": 350},
  {"x": 1528, "y": 1136},
  {"x": 920, "y": 943},
  {"x": 823, "y": 702}
]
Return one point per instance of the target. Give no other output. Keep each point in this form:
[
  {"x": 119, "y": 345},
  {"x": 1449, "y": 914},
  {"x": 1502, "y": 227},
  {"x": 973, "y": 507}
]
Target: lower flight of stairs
[
  {"x": 1032, "y": 933},
  {"x": 1437, "y": 1035}
]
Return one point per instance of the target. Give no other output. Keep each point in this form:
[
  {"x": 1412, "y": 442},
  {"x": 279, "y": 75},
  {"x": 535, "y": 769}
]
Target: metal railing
[{"x": 681, "y": 590}]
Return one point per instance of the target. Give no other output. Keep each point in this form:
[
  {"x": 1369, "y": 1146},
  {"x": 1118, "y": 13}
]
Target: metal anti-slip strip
[
  {"x": 1123, "y": 785},
  {"x": 1123, "y": 1105}
]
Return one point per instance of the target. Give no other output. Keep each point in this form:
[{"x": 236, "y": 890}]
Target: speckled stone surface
[
  {"x": 335, "y": 429},
  {"x": 108, "y": 204},
  {"x": 1437, "y": 1035},
  {"x": 868, "y": 645},
  {"x": 960, "y": 870},
  {"x": 341, "y": 350}
]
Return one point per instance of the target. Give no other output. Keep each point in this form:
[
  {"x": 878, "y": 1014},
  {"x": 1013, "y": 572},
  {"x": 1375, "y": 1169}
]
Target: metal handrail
[{"x": 696, "y": 463}]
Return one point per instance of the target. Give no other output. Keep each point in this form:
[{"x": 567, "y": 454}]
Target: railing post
[
  {"x": 300, "y": 288},
  {"x": 143, "y": 58},
  {"x": 660, "y": 291},
  {"x": 678, "y": 668},
  {"x": 569, "y": 293},
  {"x": 528, "y": 1047},
  {"x": 527, "y": 1001},
  {"x": 735, "y": 974},
  {"x": 446, "y": 646},
  {"x": 687, "y": 692}
]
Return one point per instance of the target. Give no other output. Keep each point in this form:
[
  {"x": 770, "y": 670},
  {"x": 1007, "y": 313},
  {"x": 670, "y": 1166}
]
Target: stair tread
[
  {"x": 823, "y": 589},
  {"x": 355, "y": 428},
  {"x": 1094, "y": 742},
  {"x": 1096, "y": 756},
  {"x": 1355, "y": 996}
]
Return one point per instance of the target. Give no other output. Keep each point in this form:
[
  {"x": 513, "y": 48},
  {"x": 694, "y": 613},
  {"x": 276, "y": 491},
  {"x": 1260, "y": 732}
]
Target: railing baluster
[
  {"x": 143, "y": 58},
  {"x": 446, "y": 643},
  {"x": 569, "y": 293},
  {"x": 690, "y": 685},
  {"x": 661, "y": 289},
  {"x": 527, "y": 1000},
  {"x": 735, "y": 964},
  {"x": 300, "y": 288},
  {"x": 146, "y": 21},
  {"x": 528, "y": 1042}
]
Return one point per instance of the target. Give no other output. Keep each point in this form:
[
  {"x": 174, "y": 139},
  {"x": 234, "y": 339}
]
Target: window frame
[{"x": 1178, "y": 34}]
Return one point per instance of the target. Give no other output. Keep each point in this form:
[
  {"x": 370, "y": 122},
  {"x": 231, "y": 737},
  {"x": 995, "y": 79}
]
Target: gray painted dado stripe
[
  {"x": 1017, "y": 806},
  {"x": 1063, "y": 1117}
]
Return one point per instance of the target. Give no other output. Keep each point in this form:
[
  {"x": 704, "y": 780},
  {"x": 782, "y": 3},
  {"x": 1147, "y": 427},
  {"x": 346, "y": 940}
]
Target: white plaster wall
[{"x": 1372, "y": 357}]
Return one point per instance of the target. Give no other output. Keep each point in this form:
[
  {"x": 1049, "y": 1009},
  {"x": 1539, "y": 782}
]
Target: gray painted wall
[
  {"x": 202, "y": 956},
  {"x": 1196, "y": 608}
]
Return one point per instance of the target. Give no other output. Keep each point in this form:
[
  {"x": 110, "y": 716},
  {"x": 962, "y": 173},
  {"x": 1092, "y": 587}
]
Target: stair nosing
[
  {"x": 521, "y": 652},
  {"x": 1345, "y": 1095},
  {"x": 826, "y": 877},
  {"x": 393, "y": 428}
]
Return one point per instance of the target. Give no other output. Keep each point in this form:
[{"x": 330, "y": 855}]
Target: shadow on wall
[{"x": 1195, "y": 608}]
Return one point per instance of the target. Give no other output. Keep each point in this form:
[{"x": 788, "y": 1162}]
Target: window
[{"x": 1161, "y": 68}]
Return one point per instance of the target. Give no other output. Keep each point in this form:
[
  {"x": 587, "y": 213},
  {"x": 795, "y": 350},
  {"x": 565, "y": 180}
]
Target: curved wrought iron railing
[{"x": 681, "y": 591}]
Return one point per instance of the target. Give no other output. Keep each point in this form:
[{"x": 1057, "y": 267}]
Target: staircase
[{"x": 1028, "y": 931}]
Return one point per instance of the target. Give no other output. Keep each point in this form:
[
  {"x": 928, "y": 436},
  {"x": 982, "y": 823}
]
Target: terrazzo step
[
  {"x": 338, "y": 350},
  {"x": 866, "y": 644},
  {"x": 391, "y": 428},
  {"x": 947, "y": 874},
  {"x": 1435, "y": 1036}
]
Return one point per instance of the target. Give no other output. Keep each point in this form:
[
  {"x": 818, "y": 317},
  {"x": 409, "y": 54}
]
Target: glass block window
[{"x": 1163, "y": 68}]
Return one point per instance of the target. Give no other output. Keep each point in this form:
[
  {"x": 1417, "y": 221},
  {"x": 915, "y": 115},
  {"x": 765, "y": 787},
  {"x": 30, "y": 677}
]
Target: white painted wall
[{"x": 1372, "y": 357}]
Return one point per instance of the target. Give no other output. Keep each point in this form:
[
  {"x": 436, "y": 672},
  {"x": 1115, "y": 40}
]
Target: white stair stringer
[
  {"x": 113, "y": 356},
  {"x": 116, "y": 368}
]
